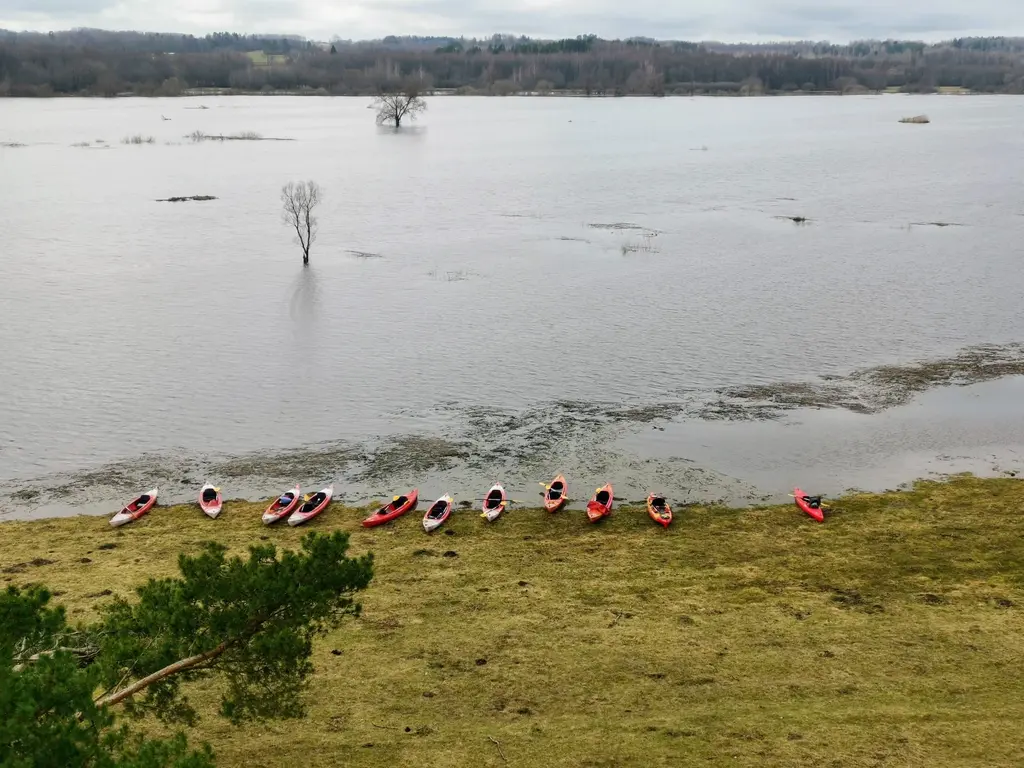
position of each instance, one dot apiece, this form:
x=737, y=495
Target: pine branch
x=171, y=669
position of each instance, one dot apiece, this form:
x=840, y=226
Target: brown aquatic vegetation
x=412, y=453
x=198, y=136
x=618, y=225
x=890, y=634
x=872, y=389
x=330, y=459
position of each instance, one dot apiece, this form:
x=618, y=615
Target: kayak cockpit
x=315, y=501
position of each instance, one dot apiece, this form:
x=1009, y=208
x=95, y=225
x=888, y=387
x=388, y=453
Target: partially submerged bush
x=243, y=136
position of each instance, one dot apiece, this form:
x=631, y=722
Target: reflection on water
x=305, y=297
x=533, y=252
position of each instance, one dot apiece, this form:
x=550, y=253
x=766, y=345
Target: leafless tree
x=393, y=108
x=300, y=200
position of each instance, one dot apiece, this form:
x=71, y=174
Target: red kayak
x=134, y=509
x=399, y=506
x=554, y=494
x=282, y=506
x=312, y=505
x=601, y=505
x=809, y=504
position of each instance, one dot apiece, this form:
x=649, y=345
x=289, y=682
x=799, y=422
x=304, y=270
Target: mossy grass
x=892, y=634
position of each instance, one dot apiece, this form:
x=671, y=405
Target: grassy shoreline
x=892, y=634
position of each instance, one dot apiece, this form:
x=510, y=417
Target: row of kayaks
x=556, y=495
x=298, y=508
x=291, y=505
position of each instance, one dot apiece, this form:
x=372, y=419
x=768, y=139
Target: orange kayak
x=601, y=505
x=659, y=510
x=554, y=494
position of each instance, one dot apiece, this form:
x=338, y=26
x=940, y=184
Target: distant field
x=261, y=59
x=890, y=635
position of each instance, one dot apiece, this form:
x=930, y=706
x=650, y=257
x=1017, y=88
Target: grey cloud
x=53, y=8
x=838, y=20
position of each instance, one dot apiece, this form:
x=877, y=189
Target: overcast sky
x=725, y=20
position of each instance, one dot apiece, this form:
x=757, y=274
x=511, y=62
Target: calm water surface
x=527, y=252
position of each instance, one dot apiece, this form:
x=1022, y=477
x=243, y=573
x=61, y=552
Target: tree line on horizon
x=101, y=63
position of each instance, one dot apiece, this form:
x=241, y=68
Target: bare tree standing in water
x=300, y=200
x=395, y=107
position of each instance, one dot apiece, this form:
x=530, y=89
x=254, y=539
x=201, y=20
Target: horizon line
x=355, y=41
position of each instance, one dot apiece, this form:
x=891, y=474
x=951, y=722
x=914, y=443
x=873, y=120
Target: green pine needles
x=250, y=622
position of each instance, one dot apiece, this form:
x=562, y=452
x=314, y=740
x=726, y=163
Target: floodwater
x=506, y=289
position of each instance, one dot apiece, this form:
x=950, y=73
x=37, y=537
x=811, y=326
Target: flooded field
x=511, y=288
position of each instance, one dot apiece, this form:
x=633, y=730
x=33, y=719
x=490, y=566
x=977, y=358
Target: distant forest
x=99, y=63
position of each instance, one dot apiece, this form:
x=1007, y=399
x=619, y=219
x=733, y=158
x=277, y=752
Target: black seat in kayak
x=658, y=503
x=556, y=493
x=602, y=497
x=314, y=502
x=141, y=501
x=437, y=510
x=814, y=502
x=209, y=494
x=399, y=502
x=493, y=499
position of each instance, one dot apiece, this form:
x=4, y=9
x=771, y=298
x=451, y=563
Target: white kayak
x=282, y=506
x=210, y=501
x=439, y=511
x=494, y=503
x=312, y=505
x=135, y=508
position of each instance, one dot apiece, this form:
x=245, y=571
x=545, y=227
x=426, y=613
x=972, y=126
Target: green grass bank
x=890, y=635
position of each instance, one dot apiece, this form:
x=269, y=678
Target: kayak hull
x=390, y=512
x=816, y=514
x=494, y=505
x=661, y=514
x=437, y=515
x=554, y=504
x=298, y=517
x=276, y=511
x=600, y=506
x=211, y=508
x=129, y=514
